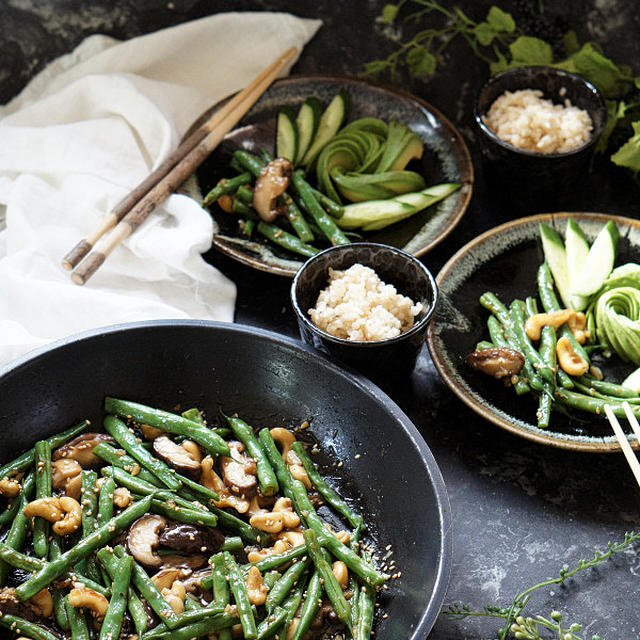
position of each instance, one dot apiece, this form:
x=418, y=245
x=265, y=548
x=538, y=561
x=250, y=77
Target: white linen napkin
x=80, y=136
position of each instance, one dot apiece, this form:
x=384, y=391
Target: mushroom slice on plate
x=191, y=539
x=144, y=537
x=239, y=472
x=499, y=362
x=81, y=449
x=176, y=456
x=271, y=183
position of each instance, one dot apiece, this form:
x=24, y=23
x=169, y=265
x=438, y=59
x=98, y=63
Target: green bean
x=220, y=587
x=239, y=590
x=81, y=550
x=20, y=526
x=25, y=460
x=130, y=444
x=118, y=458
x=365, y=570
x=226, y=186
x=284, y=239
x=548, y=355
x=20, y=560
x=285, y=583
x=191, y=603
x=105, y=501
x=321, y=217
x=244, y=210
x=324, y=489
x=182, y=514
x=608, y=388
x=310, y=607
x=498, y=338
x=271, y=623
x=490, y=302
x=296, y=218
x=484, y=344
x=243, y=529
x=143, y=583
x=266, y=476
x=112, y=623
x=59, y=610
x=10, y=512
x=291, y=605
x=247, y=227
x=25, y=628
x=248, y=161
x=278, y=559
x=329, y=582
x=77, y=621
x=89, y=502
x=232, y=543
x=204, y=627
x=366, y=607
x=270, y=578
x=42, y=460
x=531, y=306
x=197, y=488
x=592, y=404
x=275, y=459
x=529, y=351
x=171, y=422
x=331, y=206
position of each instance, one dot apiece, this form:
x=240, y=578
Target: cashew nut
x=42, y=603
x=577, y=323
x=9, y=487
x=73, y=487
x=256, y=587
x=533, y=325
x=279, y=547
x=289, y=518
x=165, y=578
x=62, y=470
x=270, y=522
x=299, y=473
x=121, y=497
x=212, y=480
x=47, y=508
x=340, y=571
x=292, y=538
x=149, y=432
x=192, y=449
x=72, y=519
x=89, y=599
x=175, y=596
x=284, y=438
x=570, y=361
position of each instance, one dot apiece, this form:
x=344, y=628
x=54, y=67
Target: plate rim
x=572, y=443
x=227, y=248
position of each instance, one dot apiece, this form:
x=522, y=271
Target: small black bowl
x=380, y=360
x=546, y=179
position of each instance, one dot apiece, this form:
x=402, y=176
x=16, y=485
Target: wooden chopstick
x=129, y=214
x=622, y=438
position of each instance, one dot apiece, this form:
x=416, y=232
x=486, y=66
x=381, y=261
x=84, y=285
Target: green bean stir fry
x=546, y=352
x=161, y=527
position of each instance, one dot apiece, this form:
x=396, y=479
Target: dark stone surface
x=520, y=510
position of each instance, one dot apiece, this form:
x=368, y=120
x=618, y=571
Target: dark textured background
x=520, y=510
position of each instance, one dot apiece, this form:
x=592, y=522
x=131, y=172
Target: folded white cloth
x=80, y=136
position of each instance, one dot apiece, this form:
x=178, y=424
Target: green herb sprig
x=502, y=44
x=516, y=625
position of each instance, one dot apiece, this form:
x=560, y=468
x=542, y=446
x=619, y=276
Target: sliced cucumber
x=307, y=122
x=286, y=134
x=556, y=257
x=377, y=214
x=599, y=261
x=577, y=248
x=632, y=381
x=369, y=186
x=331, y=120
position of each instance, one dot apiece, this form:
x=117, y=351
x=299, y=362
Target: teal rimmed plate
x=445, y=159
x=505, y=260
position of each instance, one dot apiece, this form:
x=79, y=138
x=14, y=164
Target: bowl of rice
x=365, y=304
x=538, y=126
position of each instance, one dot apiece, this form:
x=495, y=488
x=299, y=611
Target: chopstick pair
x=622, y=438
x=133, y=210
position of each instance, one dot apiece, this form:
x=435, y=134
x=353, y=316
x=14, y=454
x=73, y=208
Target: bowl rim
x=445, y=553
x=367, y=344
x=593, y=138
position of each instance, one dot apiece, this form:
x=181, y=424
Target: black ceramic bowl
x=271, y=381
x=379, y=359
x=522, y=172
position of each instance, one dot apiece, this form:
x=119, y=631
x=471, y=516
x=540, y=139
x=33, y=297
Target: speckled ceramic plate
x=505, y=260
x=445, y=159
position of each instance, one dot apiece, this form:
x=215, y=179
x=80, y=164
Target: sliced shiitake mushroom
x=144, y=537
x=81, y=448
x=498, y=362
x=271, y=183
x=191, y=539
x=191, y=562
x=239, y=472
x=176, y=456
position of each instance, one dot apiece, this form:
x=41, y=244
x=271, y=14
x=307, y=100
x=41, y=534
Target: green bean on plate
x=159, y=527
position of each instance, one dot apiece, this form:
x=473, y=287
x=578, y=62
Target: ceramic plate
x=445, y=159
x=505, y=260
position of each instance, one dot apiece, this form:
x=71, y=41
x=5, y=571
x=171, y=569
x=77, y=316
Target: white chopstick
x=622, y=438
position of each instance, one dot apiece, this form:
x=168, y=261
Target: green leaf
x=420, y=61
x=500, y=64
x=484, y=33
x=628, y=155
x=603, y=72
x=375, y=66
x=526, y=50
x=389, y=12
x=500, y=20
x=570, y=40
x=615, y=111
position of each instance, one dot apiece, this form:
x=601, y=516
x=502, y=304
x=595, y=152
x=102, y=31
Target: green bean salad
x=161, y=527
